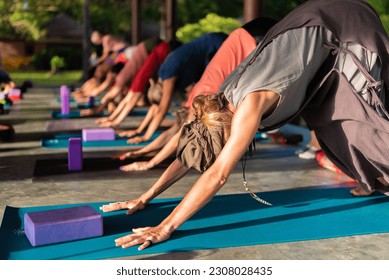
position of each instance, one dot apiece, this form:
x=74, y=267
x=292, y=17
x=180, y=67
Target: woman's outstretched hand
x=102, y=120
x=137, y=140
x=132, y=206
x=144, y=236
x=129, y=133
x=137, y=166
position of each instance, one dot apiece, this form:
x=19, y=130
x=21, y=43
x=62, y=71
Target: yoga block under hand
x=74, y=154
x=60, y=225
x=98, y=134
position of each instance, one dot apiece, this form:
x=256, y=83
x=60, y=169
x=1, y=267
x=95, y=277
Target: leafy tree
x=382, y=8
x=211, y=23
x=57, y=63
x=191, y=11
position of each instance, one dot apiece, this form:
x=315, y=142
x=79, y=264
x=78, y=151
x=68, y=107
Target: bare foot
x=359, y=191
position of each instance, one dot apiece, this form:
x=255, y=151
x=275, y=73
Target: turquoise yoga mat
x=61, y=141
x=75, y=114
x=296, y=215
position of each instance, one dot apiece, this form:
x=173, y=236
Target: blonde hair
x=210, y=110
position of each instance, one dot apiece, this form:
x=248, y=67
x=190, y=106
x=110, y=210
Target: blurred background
x=47, y=41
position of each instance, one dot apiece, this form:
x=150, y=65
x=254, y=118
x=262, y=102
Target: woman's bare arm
x=171, y=175
x=167, y=93
x=156, y=144
x=167, y=150
x=244, y=125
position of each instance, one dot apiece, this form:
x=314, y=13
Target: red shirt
x=152, y=63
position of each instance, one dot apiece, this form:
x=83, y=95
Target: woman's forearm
x=160, y=141
x=129, y=106
x=163, y=107
x=118, y=109
x=167, y=150
x=172, y=174
x=149, y=116
x=244, y=125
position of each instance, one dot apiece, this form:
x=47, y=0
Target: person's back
x=189, y=61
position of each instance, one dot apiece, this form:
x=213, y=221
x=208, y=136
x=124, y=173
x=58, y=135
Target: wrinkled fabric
x=351, y=125
x=199, y=146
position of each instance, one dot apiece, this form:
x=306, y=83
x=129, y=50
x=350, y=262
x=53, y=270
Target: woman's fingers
x=136, y=166
x=143, y=237
x=106, y=124
x=102, y=120
x=137, y=140
x=115, y=206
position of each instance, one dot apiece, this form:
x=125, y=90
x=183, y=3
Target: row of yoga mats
x=75, y=114
x=296, y=215
x=61, y=141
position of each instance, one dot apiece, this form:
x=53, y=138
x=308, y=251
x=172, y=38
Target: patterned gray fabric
x=199, y=146
x=350, y=121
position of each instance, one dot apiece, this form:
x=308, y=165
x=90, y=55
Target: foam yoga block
x=98, y=134
x=65, y=100
x=74, y=154
x=59, y=225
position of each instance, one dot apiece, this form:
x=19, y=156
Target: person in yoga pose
x=238, y=45
x=112, y=48
x=146, y=70
x=326, y=60
x=182, y=67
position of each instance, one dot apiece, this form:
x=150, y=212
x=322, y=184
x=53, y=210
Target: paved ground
x=268, y=170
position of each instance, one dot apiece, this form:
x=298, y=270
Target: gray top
x=289, y=63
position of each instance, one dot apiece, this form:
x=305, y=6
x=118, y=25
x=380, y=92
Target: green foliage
x=277, y=9
x=382, y=8
x=191, y=11
x=72, y=56
x=57, y=62
x=211, y=23
x=45, y=79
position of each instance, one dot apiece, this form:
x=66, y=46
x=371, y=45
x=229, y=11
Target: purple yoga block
x=98, y=134
x=59, y=225
x=65, y=100
x=74, y=154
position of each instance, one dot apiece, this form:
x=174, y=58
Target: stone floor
x=31, y=119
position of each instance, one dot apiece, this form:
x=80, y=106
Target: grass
x=46, y=79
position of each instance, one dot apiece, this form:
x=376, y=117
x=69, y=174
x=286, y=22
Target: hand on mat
x=144, y=236
x=87, y=112
x=132, y=206
x=109, y=124
x=137, y=166
x=129, y=133
x=81, y=99
x=137, y=140
x=102, y=120
x=132, y=154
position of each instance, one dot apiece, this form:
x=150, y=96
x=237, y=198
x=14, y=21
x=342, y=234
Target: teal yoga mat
x=61, y=141
x=75, y=114
x=296, y=215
